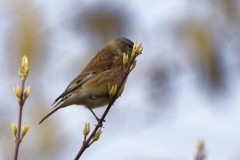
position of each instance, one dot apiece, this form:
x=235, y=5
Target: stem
x=18, y=138
x=99, y=125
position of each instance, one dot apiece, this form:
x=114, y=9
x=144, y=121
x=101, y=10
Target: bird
x=90, y=87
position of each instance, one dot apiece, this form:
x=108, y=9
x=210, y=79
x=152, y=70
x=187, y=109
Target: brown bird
x=90, y=87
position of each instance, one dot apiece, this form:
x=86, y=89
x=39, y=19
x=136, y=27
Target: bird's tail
x=54, y=109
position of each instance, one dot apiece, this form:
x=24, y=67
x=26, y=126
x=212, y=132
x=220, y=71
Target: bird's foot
x=99, y=122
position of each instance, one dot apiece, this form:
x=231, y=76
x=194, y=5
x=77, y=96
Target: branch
x=18, y=138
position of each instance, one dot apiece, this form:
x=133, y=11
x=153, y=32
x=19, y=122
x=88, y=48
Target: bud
x=139, y=49
x=24, y=129
x=86, y=129
x=17, y=92
x=26, y=92
x=24, y=61
x=133, y=54
x=97, y=135
x=136, y=50
x=113, y=91
x=200, y=145
x=125, y=60
x=14, y=130
x=23, y=71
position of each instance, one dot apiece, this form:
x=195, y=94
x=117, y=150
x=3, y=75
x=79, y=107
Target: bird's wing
x=100, y=62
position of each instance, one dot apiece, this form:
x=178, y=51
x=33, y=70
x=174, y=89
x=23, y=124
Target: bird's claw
x=100, y=123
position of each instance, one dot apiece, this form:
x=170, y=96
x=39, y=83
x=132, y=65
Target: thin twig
x=18, y=138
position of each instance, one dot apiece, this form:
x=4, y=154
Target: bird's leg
x=95, y=115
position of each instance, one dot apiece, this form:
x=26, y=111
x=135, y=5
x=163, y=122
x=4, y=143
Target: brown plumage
x=90, y=87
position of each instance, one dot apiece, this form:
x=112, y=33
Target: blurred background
x=185, y=86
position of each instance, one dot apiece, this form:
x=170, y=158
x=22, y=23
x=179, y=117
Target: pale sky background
x=141, y=125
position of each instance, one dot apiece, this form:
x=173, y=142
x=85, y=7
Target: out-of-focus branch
x=201, y=155
x=21, y=96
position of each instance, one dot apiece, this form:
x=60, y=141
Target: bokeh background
x=185, y=86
